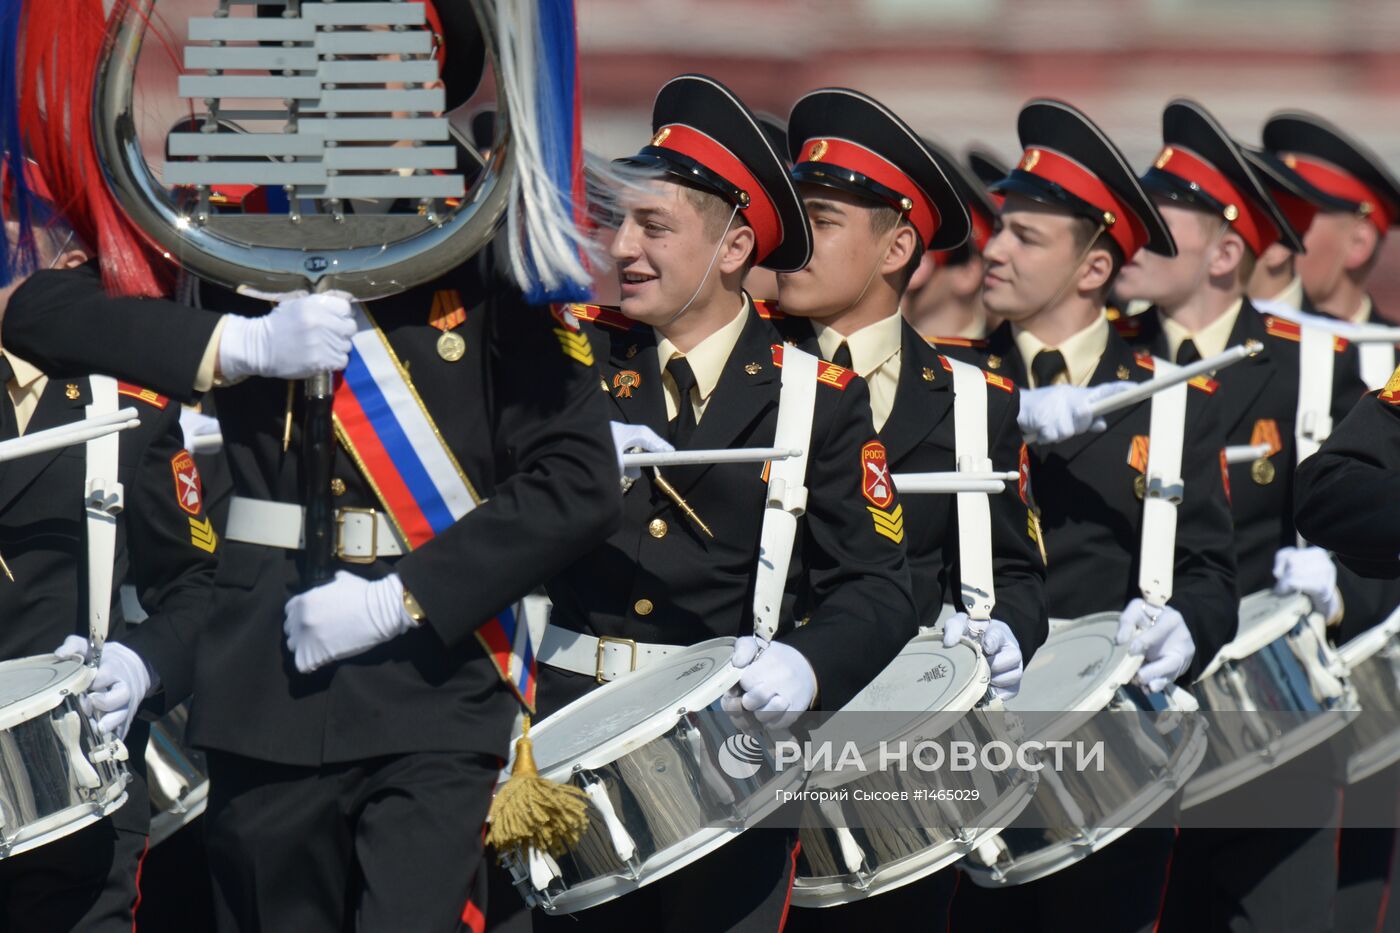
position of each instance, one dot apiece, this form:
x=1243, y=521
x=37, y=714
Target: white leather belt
x=605, y=658
x=362, y=536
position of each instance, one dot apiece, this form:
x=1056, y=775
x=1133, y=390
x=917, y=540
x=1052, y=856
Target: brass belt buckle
x=598, y=657
x=340, y=536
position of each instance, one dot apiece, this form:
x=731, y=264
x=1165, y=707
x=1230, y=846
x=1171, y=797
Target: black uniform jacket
x=1347, y=491
x=660, y=579
x=919, y=438
x=165, y=544
x=1091, y=516
x=521, y=411
x=1258, y=400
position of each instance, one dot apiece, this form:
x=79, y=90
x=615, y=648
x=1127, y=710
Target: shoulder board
x=1001, y=382
x=1278, y=327
x=1291, y=330
x=1126, y=326
x=1205, y=384
x=1145, y=360
x=837, y=377
x=975, y=343
x=768, y=309
x=603, y=315
x=146, y=395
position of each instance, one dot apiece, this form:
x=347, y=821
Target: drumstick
x=1246, y=453
x=6, y=567
x=691, y=457
x=953, y=482
x=68, y=435
x=675, y=497
x=1145, y=390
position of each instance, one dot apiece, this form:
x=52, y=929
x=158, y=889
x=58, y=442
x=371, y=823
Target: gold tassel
x=531, y=811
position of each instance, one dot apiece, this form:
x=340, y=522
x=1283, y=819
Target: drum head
x=30, y=686
x=1075, y=673
x=606, y=723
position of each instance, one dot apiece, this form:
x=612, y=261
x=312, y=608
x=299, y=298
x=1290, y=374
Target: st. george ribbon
x=330, y=110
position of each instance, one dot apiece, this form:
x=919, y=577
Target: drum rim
x=1366, y=645
x=633, y=737
x=36, y=704
x=1260, y=637
x=808, y=892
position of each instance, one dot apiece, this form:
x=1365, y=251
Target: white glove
x=1310, y=571
x=1166, y=645
x=195, y=425
x=121, y=683
x=304, y=334
x=1056, y=413
x=999, y=645
x=343, y=618
x=629, y=436
x=776, y=687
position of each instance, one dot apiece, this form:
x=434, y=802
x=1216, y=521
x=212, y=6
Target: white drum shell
x=659, y=775
x=1266, y=669
x=45, y=793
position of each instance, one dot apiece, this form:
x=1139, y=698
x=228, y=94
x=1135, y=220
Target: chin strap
x=714, y=258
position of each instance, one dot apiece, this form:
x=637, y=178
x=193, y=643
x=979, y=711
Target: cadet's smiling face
x=1030, y=259
x=846, y=252
x=662, y=251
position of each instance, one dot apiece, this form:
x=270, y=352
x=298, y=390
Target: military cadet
x=944, y=297
x=354, y=731
x=89, y=880
x=688, y=356
x=1074, y=213
x=1343, y=242
x=878, y=202
x=1275, y=279
x=1223, y=220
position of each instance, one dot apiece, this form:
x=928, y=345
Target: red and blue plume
x=19, y=200
x=51, y=49
x=544, y=239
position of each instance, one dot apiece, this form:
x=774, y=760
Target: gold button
x=643, y=607
x=994, y=362
x=337, y=487
x=657, y=528
x=1262, y=471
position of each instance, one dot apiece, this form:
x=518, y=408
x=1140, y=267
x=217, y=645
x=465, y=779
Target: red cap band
x=1340, y=184
x=853, y=157
x=1122, y=224
x=1251, y=221
x=760, y=213
x=1299, y=211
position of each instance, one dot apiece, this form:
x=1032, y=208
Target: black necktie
x=1187, y=353
x=9, y=423
x=1046, y=366
x=842, y=356
x=683, y=425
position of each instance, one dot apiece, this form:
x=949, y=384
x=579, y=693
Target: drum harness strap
x=608, y=658
x=1311, y=426
x=102, y=501
x=978, y=594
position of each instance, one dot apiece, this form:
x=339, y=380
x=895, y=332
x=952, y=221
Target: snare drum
x=867, y=847
x=175, y=776
x=56, y=775
x=1372, y=660
x=1079, y=671
x=666, y=786
x=1284, y=688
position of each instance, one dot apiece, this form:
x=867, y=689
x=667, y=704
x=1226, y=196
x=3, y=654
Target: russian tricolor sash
x=385, y=427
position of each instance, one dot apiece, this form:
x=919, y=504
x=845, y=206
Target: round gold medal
x=1262, y=471
x=451, y=346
